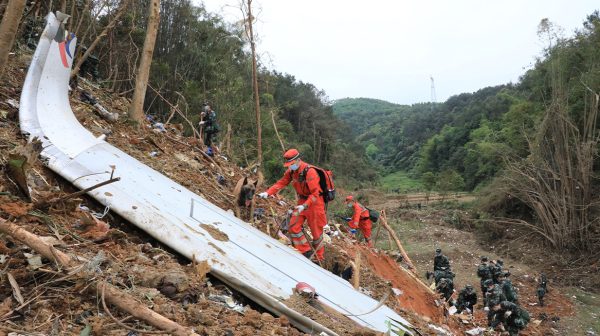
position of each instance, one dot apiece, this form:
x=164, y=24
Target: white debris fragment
x=440, y=330
x=13, y=103
x=475, y=331
x=397, y=291
x=34, y=260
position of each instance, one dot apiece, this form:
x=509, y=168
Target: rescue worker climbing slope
x=310, y=206
x=360, y=219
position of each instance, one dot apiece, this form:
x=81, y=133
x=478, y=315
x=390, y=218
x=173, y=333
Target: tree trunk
x=255, y=84
x=8, y=29
x=136, y=111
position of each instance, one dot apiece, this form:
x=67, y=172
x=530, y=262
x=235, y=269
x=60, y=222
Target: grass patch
x=400, y=182
x=588, y=309
x=405, y=230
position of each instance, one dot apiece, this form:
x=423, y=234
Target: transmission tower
x=433, y=99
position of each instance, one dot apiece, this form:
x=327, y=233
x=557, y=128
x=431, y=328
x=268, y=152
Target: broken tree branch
x=397, y=241
x=276, y=131
x=45, y=204
x=176, y=109
x=15, y=287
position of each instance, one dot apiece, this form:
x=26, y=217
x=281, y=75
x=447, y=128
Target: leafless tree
x=556, y=179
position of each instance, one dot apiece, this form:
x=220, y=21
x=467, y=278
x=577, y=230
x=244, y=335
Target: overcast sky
x=388, y=49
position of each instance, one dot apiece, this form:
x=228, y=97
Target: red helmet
x=305, y=289
x=290, y=156
x=349, y=198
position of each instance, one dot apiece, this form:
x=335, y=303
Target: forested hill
x=362, y=113
x=426, y=137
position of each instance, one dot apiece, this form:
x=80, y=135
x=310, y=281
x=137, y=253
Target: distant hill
x=423, y=137
x=362, y=113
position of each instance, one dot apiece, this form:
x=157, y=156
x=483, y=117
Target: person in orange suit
x=360, y=219
x=310, y=206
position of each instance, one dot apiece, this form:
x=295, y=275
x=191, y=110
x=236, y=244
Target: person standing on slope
x=360, y=219
x=310, y=206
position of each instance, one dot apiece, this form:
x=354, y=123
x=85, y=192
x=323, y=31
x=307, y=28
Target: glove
x=487, y=309
x=263, y=194
x=202, y=122
x=353, y=231
x=300, y=208
x=507, y=314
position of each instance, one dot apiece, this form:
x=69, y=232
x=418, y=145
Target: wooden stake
x=356, y=270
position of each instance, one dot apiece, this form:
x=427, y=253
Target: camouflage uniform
x=496, y=270
x=467, y=298
x=445, y=288
x=484, y=273
x=440, y=261
x=512, y=316
x=509, y=290
x=443, y=273
x=493, y=297
x=541, y=292
x=210, y=128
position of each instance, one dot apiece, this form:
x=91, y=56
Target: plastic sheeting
x=164, y=209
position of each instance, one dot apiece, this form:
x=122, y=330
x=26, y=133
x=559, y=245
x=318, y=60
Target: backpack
x=373, y=215
x=325, y=182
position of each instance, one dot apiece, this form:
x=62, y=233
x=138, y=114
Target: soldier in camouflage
x=440, y=261
x=467, y=298
x=493, y=297
x=496, y=268
x=443, y=273
x=512, y=317
x=507, y=287
x=445, y=287
x=484, y=273
x=542, y=288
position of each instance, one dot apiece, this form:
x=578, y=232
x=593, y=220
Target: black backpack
x=373, y=215
x=325, y=182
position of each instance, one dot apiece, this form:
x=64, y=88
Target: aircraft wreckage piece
x=243, y=257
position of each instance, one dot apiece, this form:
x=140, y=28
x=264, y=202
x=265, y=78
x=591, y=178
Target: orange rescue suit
x=361, y=220
x=310, y=195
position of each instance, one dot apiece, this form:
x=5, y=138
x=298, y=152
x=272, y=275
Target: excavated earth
x=52, y=302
